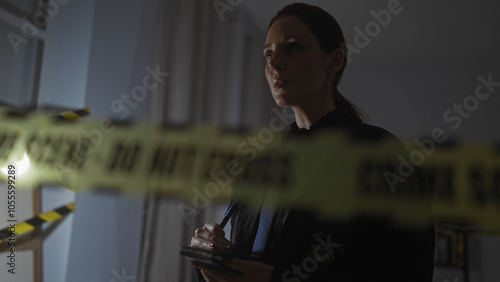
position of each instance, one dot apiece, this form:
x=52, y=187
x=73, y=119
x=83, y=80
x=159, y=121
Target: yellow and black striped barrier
x=30, y=224
x=73, y=114
x=332, y=175
x=20, y=228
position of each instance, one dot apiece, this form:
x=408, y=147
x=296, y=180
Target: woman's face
x=298, y=71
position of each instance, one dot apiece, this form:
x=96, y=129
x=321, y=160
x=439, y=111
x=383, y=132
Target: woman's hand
x=211, y=237
x=252, y=271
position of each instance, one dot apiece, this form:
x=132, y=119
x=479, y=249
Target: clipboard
x=208, y=257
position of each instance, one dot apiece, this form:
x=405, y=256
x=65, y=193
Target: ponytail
x=342, y=103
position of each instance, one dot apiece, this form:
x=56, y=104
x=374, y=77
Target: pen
x=227, y=215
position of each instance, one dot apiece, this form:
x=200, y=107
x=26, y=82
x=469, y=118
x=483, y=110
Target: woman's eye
x=268, y=54
x=292, y=46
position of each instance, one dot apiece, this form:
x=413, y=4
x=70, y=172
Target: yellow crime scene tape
x=20, y=228
x=331, y=175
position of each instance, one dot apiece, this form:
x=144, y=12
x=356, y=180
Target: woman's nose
x=276, y=63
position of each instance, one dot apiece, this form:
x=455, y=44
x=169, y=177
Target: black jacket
x=306, y=248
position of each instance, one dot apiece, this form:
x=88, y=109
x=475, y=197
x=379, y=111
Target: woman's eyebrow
x=286, y=39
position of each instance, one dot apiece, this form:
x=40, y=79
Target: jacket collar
x=333, y=120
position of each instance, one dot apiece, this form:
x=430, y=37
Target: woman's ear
x=336, y=60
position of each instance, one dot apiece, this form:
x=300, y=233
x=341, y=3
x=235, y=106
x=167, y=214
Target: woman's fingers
x=211, y=236
x=215, y=228
x=212, y=274
x=252, y=271
x=201, y=243
x=218, y=236
x=208, y=277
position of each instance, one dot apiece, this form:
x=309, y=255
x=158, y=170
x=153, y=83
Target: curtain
x=216, y=76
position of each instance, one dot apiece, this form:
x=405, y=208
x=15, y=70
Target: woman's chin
x=280, y=102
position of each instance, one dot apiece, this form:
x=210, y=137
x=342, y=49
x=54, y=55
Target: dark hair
x=328, y=32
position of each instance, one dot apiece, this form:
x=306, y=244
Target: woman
x=306, y=56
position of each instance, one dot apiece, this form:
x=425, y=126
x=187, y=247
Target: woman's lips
x=279, y=83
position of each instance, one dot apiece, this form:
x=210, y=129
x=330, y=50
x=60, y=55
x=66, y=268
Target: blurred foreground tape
x=328, y=174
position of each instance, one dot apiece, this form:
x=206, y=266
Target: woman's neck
x=305, y=117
